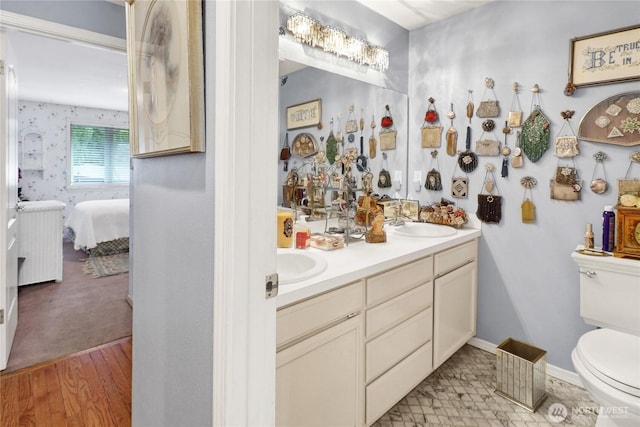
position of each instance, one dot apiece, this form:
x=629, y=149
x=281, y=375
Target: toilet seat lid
x=613, y=357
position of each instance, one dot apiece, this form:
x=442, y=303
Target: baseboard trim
x=553, y=371
x=129, y=300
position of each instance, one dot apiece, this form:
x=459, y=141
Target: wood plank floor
x=90, y=388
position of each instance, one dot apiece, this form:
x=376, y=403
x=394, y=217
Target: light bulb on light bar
x=310, y=31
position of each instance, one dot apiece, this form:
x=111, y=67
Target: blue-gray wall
x=528, y=285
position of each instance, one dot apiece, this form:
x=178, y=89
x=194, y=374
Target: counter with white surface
x=362, y=259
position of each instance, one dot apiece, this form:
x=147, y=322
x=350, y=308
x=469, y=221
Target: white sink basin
x=425, y=229
x=297, y=266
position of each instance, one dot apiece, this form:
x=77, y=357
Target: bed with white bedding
x=100, y=227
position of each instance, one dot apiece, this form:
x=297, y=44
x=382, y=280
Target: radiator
x=40, y=242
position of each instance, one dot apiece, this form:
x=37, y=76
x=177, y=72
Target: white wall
x=528, y=284
x=52, y=121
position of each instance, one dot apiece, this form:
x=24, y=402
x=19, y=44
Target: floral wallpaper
x=51, y=122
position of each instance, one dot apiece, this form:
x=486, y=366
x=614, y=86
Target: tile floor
x=461, y=393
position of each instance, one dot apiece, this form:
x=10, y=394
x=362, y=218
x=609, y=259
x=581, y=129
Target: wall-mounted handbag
x=514, y=119
x=599, y=185
x=489, y=107
x=431, y=136
x=388, y=133
x=628, y=185
x=433, y=181
x=566, y=174
x=565, y=192
x=567, y=142
x=536, y=131
x=489, y=205
x=487, y=146
x=352, y=125
x=468, y=160
x=384, y=178
x=459, y=185
x=527, y=208
x=387, y=139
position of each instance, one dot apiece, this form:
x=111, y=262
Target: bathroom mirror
x=300, y=84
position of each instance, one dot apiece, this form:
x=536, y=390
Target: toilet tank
x=609, y=291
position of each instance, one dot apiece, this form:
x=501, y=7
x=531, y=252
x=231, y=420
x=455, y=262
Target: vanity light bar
x=310, y=31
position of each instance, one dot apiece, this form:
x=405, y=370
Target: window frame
x=92, y=185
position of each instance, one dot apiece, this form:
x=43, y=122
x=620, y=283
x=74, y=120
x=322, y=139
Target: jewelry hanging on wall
x=434, y=180
x=599, y=185
x=536, y=131
x=452, y=135
x=515, y=113
x=504, y=172
x=567, y=143
x=489, y=107
x=528, y=208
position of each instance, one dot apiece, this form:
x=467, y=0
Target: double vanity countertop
x=361, y=259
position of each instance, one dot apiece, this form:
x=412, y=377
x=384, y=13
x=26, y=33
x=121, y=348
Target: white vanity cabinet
x=455, y=299
x=398, y=324
x=319, y=369
x=347, y=356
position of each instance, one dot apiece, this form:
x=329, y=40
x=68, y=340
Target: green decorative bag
x=535, y=135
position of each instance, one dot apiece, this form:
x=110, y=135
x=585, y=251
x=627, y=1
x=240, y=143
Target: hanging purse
x=452, y=135
x=434, y=180
x=567, y=144
x=285, y=152
x=431, y=132
x=527, y=208
x=467, y=160
x=384, y=178
x=516, y=155
x=372, y=140
x=489, y=205
x=332, y=145
x=565, y=174
x=568, y=193
x=352, y=125
x=488, y=108
x=487, y=147
x=459, y=185
x=388, y=133
x=628, y=185
x=599, y=185
x=535, y=135
x=515, y=113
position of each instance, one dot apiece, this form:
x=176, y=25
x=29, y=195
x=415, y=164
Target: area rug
x=108, y=265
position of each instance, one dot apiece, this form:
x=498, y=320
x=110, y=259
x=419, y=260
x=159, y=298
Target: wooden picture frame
x=166, y=77
x=304, y=115
x=603, y=58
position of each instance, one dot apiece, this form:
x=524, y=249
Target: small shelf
x=31, y=150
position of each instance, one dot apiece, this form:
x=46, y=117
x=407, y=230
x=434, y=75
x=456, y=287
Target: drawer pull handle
x=351, y=315
x=589, y=273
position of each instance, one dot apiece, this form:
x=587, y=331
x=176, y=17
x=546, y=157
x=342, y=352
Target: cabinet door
x=319, y=381
x=454, y=314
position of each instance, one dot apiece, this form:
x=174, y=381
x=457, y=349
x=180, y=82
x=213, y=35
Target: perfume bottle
x=588, y=237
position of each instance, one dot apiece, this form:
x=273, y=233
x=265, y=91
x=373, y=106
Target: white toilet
x=607, y=359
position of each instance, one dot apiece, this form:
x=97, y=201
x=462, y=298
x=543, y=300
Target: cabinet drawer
x=311, y=315
x=386, y=391
x=446, y=261
x=394, y=345
x=394, y=282
x=402, y=307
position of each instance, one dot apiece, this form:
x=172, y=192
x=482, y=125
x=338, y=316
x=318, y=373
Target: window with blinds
x=99, y=155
